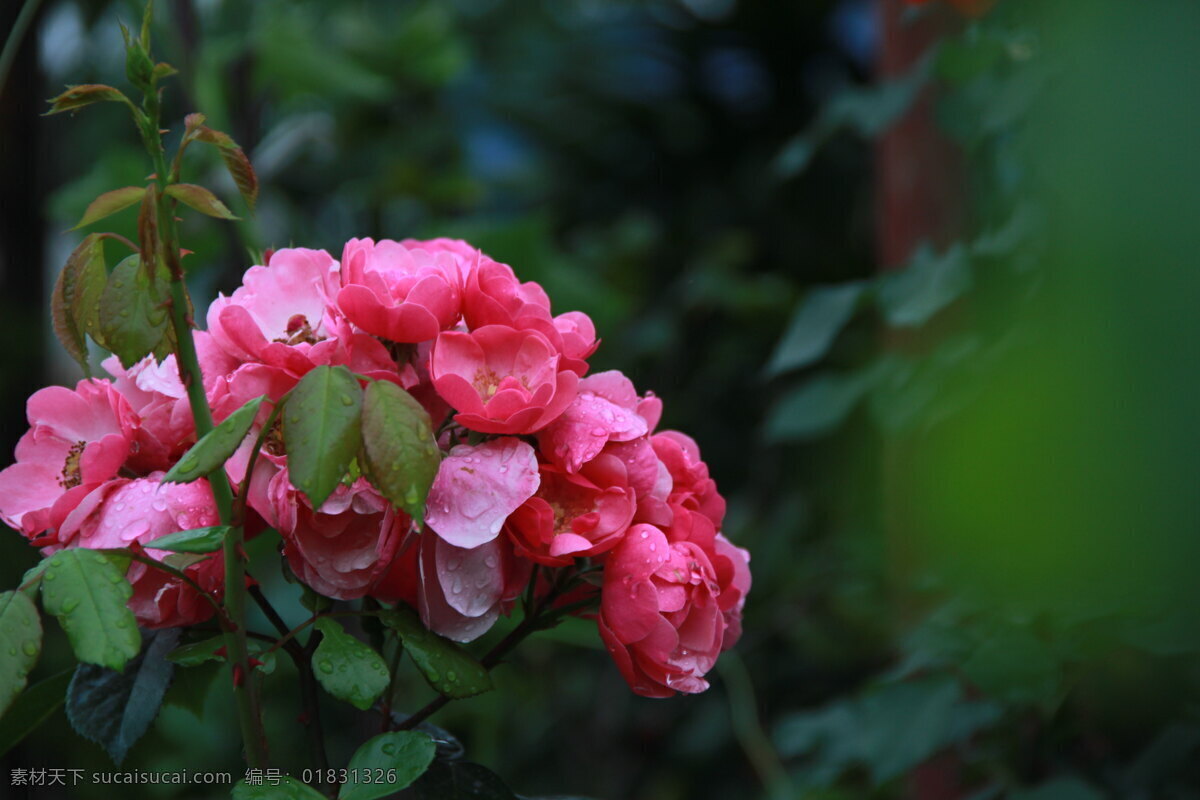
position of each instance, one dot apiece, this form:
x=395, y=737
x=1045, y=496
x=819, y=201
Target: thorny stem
x=244, y=687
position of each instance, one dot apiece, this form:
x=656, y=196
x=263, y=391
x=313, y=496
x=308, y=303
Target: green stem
x=245, y=689
x=15, y=36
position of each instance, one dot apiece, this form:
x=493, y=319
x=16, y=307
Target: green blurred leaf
x=114, y=709
x=446, y=665
x=31, y=708
x=110, y=203
x=1014, y=665
x=348, y=669
x=814, y=326
x=88, y=594
x=214, y=448
x=402, y=455
x=195, y=653
x=818, y=405
x=322, y=430
x=199, y=199
x=928, y=284
x=196, y=540
x=404, y=755
x=133, y=317
x=20, y=644
x=1061, y=788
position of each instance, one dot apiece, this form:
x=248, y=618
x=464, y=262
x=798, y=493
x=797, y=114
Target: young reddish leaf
x=164, y=70
x=199, y=199
x=133, y=317
x=235, y=161
x=76, y=97
x=75, y=304
x=110, y=203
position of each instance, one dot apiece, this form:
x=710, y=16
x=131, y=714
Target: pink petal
x=476, y=488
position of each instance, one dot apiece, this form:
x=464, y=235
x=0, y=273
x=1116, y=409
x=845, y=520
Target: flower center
x=299, y=330
x=486, y=382
x=71, y=475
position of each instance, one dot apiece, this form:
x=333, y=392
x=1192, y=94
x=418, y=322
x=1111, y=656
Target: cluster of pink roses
x=542, y=465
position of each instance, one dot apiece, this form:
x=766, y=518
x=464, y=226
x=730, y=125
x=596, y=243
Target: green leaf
x=88, y=594
x=191, y=688
x=287, y=788
x=401, y=453
x=322, y=430
x=814, y=326
x=20, y=644
x=114, y=709
x=446, y=665
x=133, y=317
x=461, y=780
x=400, y=757
x=110, y=203
x=75, y=302
x=197, y=540
x=929, y=284
x=348, y=669
x=1014, y=665
x=818, y=405
x=31, y=708
x=199, y=199
x=196, y=653
x=1061, y=788
x=76, y=97
x=139, y=69
x=215, y=447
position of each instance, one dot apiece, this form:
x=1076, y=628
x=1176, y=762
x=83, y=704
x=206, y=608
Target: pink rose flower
x=733, y=575
x=691, y=485
x=462, y=592
x=660, y=617
x=341, y=549
x=158, y=398
x=132, y=513
x=398, y=292
x=77, y=440
x=501, y=380
x=478, y=487
x=605, y=409
x=282, y=314
x=574, y=514
x=494, y=296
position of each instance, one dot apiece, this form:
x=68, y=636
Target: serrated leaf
x=402, y=755
x=215, y=447
x=133, y=317
x=196, y=540
x=110, y=203
x=446, y=665
x=20, y=644
x=114, y=709
x=88, y=595
x=85, y=94
x=288, y=788
x=196, y=653
x=461, y=780
x=348, y=669
x=401, y=453
x=31, y=708
x=814, y=326
x=322, y=430
x=235, y=160
x=75, y=304
x=199, y=199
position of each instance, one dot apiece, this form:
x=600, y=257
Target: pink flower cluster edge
x=543, y=464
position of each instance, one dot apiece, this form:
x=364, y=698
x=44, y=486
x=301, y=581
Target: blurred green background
x=921, y=284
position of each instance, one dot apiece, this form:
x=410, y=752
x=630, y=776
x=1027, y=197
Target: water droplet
x=347, y=400
x=326, y=667
x=490, y=561
x=30, y=649
x=645, y=535
x=450, y=676
x=389, y=749
x=434, y=675
x=599, y=432
x=457, y=587
x=70, y=604
x=12, y=651
x=50, y=575
x=120, y=623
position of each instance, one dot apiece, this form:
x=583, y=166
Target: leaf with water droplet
x=196, y=540
x=446, y=665
x=91, y=607
x=401, y=755
x=20, y=644
x=133, y=311
x=75, y=301
x=287, y=788
x=321, y=433
x=215, y=447
x=347, y=668
x=400, y=453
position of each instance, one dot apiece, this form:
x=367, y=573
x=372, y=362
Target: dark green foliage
x=322, y=430
x=214, y=447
